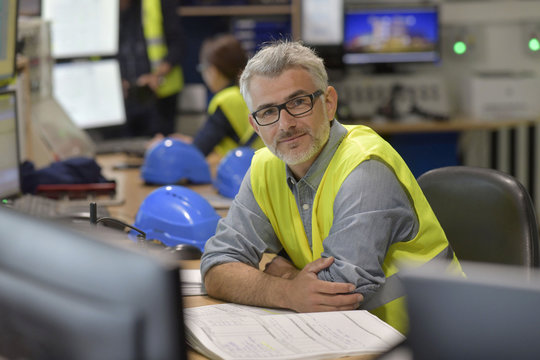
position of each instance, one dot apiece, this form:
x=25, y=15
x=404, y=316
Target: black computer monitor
x=490, y=314
x=10, y=177
x=388, y=35
x=8, y=38
x=322, y=30
x=71, y=294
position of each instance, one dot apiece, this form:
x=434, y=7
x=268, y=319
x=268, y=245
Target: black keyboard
x=132, y=146
x=36, y=206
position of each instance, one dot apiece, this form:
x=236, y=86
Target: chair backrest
x=487, y=215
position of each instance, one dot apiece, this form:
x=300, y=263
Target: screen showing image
x=9, y=165
x=82, y=28
x=90, y=92
x=322, y=22
x=8, y=31
x=390, y=35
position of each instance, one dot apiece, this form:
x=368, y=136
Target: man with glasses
x=337, y=204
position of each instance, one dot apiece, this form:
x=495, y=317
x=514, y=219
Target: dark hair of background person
x=225, y=52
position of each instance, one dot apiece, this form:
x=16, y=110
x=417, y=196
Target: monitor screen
x=84, y=293
x=389, y=35
x=90, y=92
x=8, y=37
x=9, y=161
x=82, y=28
x=492, y=313
x=322, y=22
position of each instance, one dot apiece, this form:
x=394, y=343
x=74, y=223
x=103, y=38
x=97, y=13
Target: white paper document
x=229, y=331
x=191, y=282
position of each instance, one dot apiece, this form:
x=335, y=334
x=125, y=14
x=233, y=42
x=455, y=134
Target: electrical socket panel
x=361, y=96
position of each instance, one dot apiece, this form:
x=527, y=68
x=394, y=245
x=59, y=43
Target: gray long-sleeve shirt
x=371, y=212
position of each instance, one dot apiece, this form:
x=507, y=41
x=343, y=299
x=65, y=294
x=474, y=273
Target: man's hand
x=159, y=137
x=154, y=79
x=125, y=88
x=281, y=267
x=303, y=292
x=306, y=293
x=184, y=138
x=151, y=80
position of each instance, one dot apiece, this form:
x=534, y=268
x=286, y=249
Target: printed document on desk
x=230, y=331
x=191, y=282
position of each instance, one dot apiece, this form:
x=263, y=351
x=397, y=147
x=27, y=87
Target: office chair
x=487, y=215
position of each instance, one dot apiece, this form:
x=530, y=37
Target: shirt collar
x=316, y=171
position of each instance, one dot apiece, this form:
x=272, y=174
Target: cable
x=94, y=220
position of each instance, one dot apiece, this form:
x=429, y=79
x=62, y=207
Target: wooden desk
x=132, y=187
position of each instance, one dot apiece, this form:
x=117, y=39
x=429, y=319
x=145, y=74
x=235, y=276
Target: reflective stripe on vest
x=156, y=47
x=268, y=179
x=233, y=106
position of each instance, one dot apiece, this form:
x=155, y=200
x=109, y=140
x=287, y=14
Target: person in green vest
x=336, y=203
x=221, y=60
x=150, y=53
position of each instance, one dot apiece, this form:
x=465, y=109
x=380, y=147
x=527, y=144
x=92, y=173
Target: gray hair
x=278, y=56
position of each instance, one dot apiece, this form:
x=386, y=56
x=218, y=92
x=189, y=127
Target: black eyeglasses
x=295, y=107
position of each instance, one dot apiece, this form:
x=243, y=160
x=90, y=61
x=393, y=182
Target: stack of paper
x=191, y=282
x=229, y=331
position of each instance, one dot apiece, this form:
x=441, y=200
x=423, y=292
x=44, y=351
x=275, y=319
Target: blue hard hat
x=171, y=160
x=177, y=215
x=231, y=170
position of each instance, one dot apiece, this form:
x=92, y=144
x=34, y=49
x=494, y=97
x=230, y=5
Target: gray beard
x=291, y=158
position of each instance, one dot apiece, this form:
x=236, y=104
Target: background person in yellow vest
x=150, y=53
x=337, y=203
x=221, y=60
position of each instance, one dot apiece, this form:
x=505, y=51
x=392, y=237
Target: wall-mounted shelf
x=235, y=10
x=292, y=10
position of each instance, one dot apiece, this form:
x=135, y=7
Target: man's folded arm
x=365, y=225
x=244, y=284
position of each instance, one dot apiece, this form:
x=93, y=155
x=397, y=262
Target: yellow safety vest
x=231, y=102
x=268, y=179
x=156, y=47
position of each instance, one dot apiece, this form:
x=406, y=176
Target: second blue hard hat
x=231, y=170
x=170, y=161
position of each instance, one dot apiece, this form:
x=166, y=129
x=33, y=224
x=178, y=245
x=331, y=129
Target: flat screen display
x=8, y=37
x=322, y=22
x=9, y=161
x=76, y=291
x=82, y=28
x=391, y=35
x=90, y=92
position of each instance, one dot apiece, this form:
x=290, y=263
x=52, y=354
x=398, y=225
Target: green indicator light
x=4, y=201
x=460, y=47
x=534, y=44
